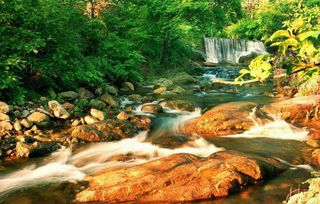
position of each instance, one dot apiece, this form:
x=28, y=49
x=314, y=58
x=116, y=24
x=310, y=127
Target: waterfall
x=230, y=50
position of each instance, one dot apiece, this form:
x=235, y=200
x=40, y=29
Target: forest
x=151, y=101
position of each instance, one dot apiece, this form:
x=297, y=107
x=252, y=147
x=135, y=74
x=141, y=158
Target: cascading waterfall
x=230, y=50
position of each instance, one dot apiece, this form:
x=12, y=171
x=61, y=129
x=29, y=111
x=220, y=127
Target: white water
x=230, y=50
x=67, y=166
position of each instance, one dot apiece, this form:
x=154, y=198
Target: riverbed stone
x=100, y=115
x=127, y=86
x=87, y=133
x=90, y=119
x=39, y=119
x=226, y=119
x=17, y=126
x=160, y=90
x=58, y=110
x=111, y=90
x=98, y=104
x=110, y=100
x=152, y=108
x=4, y=117
x=123, y=116
x=299, y=110
x=4, y=108
x=26, y=123
x=135, y=98
x=183, y=78
x=35, y=149
x=180, y=178
x=5, y=126
x=181, y=105
x=69, y=95
x=85, y=94
x=165, y=83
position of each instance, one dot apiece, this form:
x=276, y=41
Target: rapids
x=52, y=177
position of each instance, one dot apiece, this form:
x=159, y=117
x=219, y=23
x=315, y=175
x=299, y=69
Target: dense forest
x=50, y=44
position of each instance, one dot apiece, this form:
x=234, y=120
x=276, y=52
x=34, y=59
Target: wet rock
x=152, y=108
x=35, y=149
x=85, y=94
x=17, y=114
x=110, y=100
x=39, y=119
x=123, y=116
x=168, y=93
x=90, y=119
x=98, y=104
x=225, y=119
x=69, y=95
x=4, y=108
x=26, y=123
x=17, y=126
x=5, y=126
x=58, y=110
x=135, y=98
x=111, y=90
x=315, y=158
x=127, y=86
x=100, y=115
x=298, y=110
x=180, y=178
x=98, y=91
x=142, y=122
x=88, y=133
x=4, y=117
x=183, y=78
x=181, y=105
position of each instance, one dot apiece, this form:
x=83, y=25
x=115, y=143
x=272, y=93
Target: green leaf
x=280, y=34
x=307, y=34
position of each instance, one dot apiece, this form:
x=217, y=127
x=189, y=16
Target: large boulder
x=4, y=108
x=35, y=149
x=100, y=115
x=39, y=119
x=299, y=110
x=95, y=103
x=180, y=178
x=58, y=110
x=225, y=119
x=183, y=78
x=5, y=126
x=165, y=83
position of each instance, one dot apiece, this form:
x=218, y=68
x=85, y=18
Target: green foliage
x=259, y=69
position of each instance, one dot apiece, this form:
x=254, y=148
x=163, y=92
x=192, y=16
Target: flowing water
x=230, y=50
x=56, y=178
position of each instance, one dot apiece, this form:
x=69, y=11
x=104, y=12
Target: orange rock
x=180, y=177
x=225, y=119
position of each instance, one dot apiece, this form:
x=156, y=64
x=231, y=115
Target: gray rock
x=183, y=78
x=25, y=113
x=58, y=110
x=69, y=95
